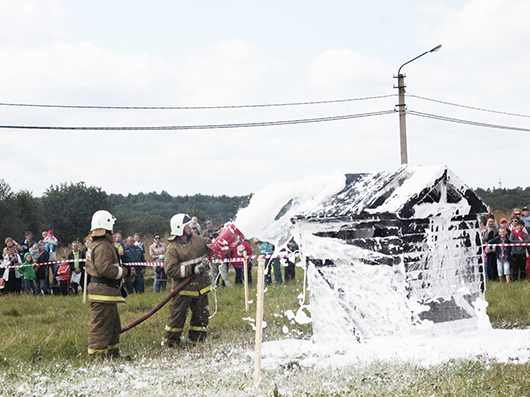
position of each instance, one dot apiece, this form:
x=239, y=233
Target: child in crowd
x=64, y=276
x=504, y=223
x=29, y=283
x=34, y=251
x=160, y=278
x=503, y=254
x=50, y=241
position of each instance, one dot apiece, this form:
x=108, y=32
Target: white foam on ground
x=503, y=345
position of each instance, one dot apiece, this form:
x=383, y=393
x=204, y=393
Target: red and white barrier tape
x=508, y=245
x=254, y=257
x=152, y=264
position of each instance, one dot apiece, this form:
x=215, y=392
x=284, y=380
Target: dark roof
x=408, y=192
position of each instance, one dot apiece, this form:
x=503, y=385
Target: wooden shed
x=395, y=253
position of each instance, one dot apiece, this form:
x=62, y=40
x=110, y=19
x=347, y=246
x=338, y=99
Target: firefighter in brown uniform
x=186, y=257
x=104, y=293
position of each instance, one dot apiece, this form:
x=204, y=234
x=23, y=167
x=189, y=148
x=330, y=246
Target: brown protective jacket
x=180, y=261
x=102, y=261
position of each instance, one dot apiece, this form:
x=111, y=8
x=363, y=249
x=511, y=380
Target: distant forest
x=149, y=213
x=505, y=200
x=68, y=209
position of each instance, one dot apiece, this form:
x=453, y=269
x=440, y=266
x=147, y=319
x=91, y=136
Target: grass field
x=43, y=352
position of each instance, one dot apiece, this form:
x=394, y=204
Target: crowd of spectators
x=506, y=252
x=33, y=267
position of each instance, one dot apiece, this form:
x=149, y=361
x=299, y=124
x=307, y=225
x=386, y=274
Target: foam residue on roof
x=410, y=191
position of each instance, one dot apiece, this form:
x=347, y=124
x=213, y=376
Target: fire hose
x=157, y=307
x=228, y=238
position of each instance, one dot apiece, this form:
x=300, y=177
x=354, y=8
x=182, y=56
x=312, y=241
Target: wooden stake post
x=259, y=320
x=245, y=277
x=84, y=285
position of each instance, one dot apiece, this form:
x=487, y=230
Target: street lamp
x=402, y=107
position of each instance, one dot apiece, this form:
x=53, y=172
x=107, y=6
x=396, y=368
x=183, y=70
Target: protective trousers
x=104, y=334
x=177, y=318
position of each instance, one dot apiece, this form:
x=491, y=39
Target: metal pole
x=402, y=107
x=402, y=120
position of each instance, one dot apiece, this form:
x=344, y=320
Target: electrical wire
x=468, y=107
x=468, y=122
x=195, y=107
x=206, y=127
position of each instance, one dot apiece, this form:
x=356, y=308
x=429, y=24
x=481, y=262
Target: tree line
x=67, y=208
x=505, y=200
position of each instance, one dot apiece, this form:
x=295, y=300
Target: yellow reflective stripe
x=201, y=329
x=168, y=328
x=106, y=298
x=114, y=346
x=97, y=351
x=206, y=289
x=189, y=293
x=196, y=293
x=192, y=261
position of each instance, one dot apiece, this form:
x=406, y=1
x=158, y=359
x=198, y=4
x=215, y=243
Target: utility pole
x=402, y=121
x=402, y=108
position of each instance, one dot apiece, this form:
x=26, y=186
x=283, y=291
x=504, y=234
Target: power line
x=469, y=107
x=468, y=122
x=194, y=107
x=206, y=127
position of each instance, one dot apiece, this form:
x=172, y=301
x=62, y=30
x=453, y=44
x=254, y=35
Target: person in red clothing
x=518, y=264
x=237, y=252
x=64, y=276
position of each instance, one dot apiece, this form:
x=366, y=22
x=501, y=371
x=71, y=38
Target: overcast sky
x=218, y=53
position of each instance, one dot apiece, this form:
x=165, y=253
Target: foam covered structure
x=395, y=253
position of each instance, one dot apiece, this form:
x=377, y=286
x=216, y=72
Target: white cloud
x=484, y=25
x=485, y=43
x=345, y=71
x=30, y=22
x=61, y=71
x=230, y=72
x=482, y=61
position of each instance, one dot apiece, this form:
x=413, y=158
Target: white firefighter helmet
x=102, y=220
x=178, y=222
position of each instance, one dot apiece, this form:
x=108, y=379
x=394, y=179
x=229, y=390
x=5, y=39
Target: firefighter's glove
x=199, y=268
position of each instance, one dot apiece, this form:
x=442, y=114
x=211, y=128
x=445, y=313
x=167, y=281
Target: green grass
x=509, y=304
x=55, y=327
x=43, y=347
